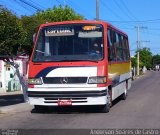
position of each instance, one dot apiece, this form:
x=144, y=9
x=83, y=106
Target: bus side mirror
x=34, y=37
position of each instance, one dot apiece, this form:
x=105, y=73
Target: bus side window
x=126, y=49
x=123, y=48
x=39, y=52
x=111, y=51
x=119, y=49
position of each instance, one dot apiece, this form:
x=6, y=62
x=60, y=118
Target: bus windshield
x=77, y=42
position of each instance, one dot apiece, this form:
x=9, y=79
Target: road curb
x=142, y=75
x=11, y=93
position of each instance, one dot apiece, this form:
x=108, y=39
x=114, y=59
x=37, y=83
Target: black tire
x=110, y=98
x=40, y=108
x=106, y=108
x=124, y=96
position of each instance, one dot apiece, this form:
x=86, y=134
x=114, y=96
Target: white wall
x=5, y=74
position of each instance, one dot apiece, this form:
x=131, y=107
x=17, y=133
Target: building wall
x=2, y=77
x=8, y=78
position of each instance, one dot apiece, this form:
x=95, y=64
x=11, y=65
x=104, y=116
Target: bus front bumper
x=73, y=98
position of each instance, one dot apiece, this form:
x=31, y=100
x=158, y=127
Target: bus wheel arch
x=110, y=95
x=107, y=106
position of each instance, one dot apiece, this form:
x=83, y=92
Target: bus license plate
x=64, y=102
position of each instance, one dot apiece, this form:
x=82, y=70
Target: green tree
x=16, y=33
x=156, y=59
x=12, y=34
x=58, y=14
x=31, y=23
x=134, y=62
x=145, y=56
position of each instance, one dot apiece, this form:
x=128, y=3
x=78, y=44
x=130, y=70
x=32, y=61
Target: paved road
x=140, y=110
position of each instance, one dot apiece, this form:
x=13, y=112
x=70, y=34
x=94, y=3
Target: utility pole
x=97, y=10
x=138, y=45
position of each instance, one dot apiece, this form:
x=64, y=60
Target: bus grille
x=64, y=80
x=74, y=100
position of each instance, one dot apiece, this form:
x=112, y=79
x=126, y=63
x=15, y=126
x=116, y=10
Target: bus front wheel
x=106, y=108
x=40, y=108
x=108, y=105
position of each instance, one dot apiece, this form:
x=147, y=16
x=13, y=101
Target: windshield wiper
x=39, y=51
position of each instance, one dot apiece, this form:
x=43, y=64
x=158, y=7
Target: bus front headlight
x=34, y=81
x=97, y=80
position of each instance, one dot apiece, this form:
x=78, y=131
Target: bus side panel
x=120, y=75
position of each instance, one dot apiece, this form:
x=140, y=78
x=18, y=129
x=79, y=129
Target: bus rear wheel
x=124, y=95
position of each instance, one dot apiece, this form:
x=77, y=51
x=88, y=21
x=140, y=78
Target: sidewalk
x=11, y=93
x=21, y=107
x=148, y=72
x=12, y=102
x=11, y=98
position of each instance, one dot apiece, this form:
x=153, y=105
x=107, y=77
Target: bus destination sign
x=59, y=31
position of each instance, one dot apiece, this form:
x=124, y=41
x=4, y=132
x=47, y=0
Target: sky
x=126, y=15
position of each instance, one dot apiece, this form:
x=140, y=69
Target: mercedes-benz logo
x=64, y=80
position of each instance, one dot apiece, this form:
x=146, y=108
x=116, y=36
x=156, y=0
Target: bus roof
x=83, y=22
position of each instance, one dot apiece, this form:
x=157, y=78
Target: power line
x=113, y=12
x=153, y=34
x=31, y=5
x=119, y=6
x=12, y=8
x=37, y=4
x=73, y=5
x=155, y=29
x=136, y=21
x=108, y=8
x=76, y=6
x=24, y=6
x=123, y=3
x=59, y=2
